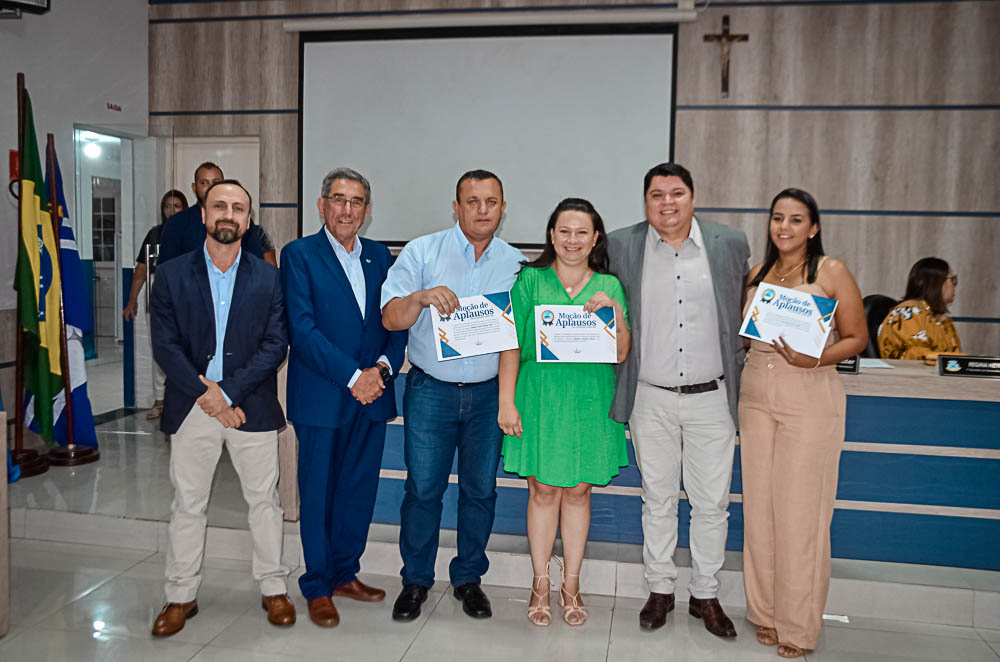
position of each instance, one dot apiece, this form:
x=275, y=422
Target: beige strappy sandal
x=541, y=613
x=574, y=613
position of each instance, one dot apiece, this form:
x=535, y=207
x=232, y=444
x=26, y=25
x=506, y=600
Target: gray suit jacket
x=728, y=256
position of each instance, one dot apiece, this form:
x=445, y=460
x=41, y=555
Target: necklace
x=781, y=278
x=581, y=281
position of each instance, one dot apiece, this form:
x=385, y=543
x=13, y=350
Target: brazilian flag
x=38, y=285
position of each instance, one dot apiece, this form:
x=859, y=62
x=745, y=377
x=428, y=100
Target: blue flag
x=79, y=320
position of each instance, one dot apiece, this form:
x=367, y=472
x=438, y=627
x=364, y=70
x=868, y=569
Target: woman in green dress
x=555, y=415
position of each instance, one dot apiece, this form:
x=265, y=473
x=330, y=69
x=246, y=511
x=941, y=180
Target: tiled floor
x=82, y=602
x=87, y=602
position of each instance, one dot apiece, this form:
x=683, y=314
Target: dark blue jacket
x=185, y=232
x=182, y=324
x=329, y=338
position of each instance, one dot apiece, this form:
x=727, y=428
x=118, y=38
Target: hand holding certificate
x=802, y=320
x=482, y=324
x=569, y=334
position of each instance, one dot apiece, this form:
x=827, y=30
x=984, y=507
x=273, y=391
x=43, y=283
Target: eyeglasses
x=340, y=201
x=954, y=279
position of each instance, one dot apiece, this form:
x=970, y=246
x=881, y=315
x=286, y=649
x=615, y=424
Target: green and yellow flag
x=38, y=285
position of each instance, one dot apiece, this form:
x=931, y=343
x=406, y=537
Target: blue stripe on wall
x=89, y=339
x=977, y=320
x=959, y=542
x=964, y=482
x=845, y=107
x=957, y=423
x=271, y=111
x=128, y=346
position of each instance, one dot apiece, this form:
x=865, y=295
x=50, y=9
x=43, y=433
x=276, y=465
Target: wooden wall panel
x=863, y=160
x=865, y=54
x=278, y=135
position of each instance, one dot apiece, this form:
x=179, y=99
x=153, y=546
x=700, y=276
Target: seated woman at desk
x=920, y=327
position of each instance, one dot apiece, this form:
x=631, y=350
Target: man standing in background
x=185, y=232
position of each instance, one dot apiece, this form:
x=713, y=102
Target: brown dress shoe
x=654, y=613
x=323, y=613
x=715, y=618
x=355, y=590
x=280, y=610
x=171, y=619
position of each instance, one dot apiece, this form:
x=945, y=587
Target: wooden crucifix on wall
x=725, y=40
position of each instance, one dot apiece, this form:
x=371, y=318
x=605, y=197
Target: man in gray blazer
x=684, y=281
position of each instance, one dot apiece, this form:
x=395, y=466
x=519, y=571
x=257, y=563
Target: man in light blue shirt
x=449, y=405
x=221, y=283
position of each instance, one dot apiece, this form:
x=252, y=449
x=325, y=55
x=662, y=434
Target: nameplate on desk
x=849, y=366
x=969, y=366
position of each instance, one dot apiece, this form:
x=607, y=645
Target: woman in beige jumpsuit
x=791, y=431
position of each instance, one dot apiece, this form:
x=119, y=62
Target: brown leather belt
x=691, y=389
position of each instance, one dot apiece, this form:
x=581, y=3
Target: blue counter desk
x=919, y=476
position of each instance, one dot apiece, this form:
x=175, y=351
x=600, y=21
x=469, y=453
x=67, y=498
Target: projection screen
x=556, y=113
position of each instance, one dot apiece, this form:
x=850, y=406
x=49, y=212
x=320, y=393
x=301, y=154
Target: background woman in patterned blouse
x=920, y=327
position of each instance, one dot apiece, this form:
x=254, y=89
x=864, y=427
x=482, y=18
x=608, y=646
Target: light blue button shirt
x=351, y=263
x=448, y=258
x=222, y=283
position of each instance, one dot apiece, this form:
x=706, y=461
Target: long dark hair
x=927, y=276
x=172, y=193
x=598, y=258
x=814, y=246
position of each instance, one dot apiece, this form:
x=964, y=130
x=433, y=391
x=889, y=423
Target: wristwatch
x=383, y=372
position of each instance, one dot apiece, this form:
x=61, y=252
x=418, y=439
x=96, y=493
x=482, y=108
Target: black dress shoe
x=654, y=613
x=474, y=601
x=715, y=618
x=408, y=603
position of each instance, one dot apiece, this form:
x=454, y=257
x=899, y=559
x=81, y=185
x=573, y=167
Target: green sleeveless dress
x=568, y=438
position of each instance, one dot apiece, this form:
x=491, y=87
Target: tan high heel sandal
x=574, y=613
x=541, y=614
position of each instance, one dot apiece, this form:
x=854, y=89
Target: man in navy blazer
x=340, y=392
x=218, y=331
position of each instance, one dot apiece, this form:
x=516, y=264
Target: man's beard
x=226, y=232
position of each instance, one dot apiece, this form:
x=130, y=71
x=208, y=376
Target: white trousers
x=194, y=454
x=694, y=435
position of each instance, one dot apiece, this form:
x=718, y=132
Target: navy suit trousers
x=338, y=481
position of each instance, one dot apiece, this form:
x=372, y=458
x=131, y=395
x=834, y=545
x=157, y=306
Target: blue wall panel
x=960, y=423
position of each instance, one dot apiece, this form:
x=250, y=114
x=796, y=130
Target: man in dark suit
x=340, y=392
x=218, y=330
x=684, y=280
x=185, y=231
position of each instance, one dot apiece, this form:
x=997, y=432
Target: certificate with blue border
x=803, y=320
x=483, y=324
x=567, y=334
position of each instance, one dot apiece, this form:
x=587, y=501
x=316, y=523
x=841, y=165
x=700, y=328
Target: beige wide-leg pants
x=194, y=453
x=791, y=434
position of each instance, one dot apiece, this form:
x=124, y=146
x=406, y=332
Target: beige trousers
x=791, y=434
x=194, y=454
x=694, y=436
